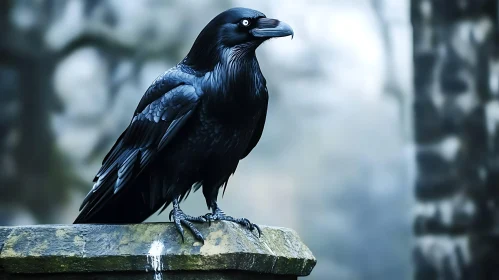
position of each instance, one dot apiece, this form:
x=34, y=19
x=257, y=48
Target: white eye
x=245, y=22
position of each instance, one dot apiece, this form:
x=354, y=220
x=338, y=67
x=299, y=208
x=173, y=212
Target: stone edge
x=4, y=233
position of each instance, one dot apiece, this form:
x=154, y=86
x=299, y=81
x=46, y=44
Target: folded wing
x=156, y=121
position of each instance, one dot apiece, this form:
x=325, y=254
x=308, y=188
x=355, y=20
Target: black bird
x=191, y=128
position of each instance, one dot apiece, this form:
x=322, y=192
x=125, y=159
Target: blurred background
x=379, y=147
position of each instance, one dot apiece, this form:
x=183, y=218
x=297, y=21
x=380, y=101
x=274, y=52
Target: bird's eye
x=245, y=22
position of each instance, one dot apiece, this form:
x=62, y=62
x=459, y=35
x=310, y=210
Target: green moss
x=61, y=233
x=39, y=248
x=11, y=245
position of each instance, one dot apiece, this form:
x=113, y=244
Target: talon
x=199, y=237
x=218, y=215
x=201, y=219
x=258, y=229
x=208, y=218
x=247, y=223
x=180, y=230
x=179, y=218
x=193, y=229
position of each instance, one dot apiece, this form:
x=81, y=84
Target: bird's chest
x=225, y=134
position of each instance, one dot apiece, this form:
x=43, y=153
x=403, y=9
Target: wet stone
x=141, y=251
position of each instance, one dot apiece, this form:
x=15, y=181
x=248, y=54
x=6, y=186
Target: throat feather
x=242, y=72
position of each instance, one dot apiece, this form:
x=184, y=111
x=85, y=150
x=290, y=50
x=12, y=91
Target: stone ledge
x=4, y=233
x=152, y=247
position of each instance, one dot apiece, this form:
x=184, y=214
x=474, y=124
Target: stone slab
x=150, y=247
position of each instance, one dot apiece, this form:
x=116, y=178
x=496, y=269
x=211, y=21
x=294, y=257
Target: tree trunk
x=456, y=113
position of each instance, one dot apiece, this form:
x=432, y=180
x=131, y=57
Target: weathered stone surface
x=132, y=248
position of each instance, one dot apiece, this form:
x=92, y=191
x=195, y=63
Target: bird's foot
x=180, y=218
x=219, y=215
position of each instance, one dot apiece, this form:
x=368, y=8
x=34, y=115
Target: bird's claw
x=179, y=219
x=209, y=218
x=220, y=216
x=246, y=223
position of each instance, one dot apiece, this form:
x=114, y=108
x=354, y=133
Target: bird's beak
x=269, y=28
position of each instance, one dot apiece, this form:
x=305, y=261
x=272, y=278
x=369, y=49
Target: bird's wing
x=154, y=124
x=257, y=133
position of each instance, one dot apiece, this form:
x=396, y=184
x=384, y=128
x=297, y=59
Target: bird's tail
x=140, y=198
x=128, y=206
x=116, y=194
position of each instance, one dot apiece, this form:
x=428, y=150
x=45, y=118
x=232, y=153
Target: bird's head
x=238, y=29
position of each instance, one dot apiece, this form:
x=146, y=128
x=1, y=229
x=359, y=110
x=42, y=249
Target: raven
x=190, y=129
